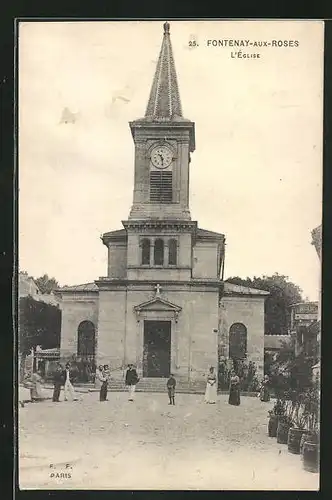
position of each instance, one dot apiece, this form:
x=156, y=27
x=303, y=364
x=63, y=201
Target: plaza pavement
x=148, y=444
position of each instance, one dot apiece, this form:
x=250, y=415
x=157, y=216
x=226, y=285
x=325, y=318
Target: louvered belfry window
x=161, y=187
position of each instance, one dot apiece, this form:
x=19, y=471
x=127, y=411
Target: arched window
x=159, y=252
x=146, y=252
x=172, y=252
x=237, y=341
x=86, y=339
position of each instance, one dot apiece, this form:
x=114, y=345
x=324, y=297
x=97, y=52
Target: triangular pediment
x=157, y=304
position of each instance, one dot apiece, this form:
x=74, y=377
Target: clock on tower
x=161, y=157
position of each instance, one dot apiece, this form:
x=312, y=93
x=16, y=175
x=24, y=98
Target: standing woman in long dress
x=99, y=379
x=211, y=387
x=36, y=391
x=265, y=390
x=234, y=390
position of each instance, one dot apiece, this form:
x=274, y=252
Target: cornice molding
x=174, y=225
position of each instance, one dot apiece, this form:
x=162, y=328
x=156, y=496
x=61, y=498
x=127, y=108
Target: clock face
x=161, y=157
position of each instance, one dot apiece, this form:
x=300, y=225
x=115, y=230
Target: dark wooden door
x=157, y=348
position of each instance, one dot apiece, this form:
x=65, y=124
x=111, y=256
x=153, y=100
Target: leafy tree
x=46, y=284
x=39, y=324
x=283, y=293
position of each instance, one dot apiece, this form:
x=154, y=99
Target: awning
x=47, y=353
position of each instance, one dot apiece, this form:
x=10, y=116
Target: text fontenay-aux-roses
x=249, y=44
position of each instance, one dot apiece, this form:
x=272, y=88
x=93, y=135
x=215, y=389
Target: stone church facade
x=163, y=304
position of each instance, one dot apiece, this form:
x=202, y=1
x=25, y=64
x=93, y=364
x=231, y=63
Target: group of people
x=131, y=380
x=103, y=376
x=234, y=388
x=63, y=377
x=212, y=386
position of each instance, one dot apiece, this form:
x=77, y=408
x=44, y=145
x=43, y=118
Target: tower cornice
x=167, y=125
x=160, y=224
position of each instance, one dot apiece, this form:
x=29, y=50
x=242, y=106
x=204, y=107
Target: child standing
x=104, y=387
x=171, y=384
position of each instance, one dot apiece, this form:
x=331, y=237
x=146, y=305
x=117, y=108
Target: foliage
x=301, y=373
x=39, y=324
x=292, y=374
x=279, y=408
x=245, y=371
x=283, y=293
x=301, y=414
x=290, y=399
x=311, y=403
x=46, y=284
x=224, y=371
x=299, y=408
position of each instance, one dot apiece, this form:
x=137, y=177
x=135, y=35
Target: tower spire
x=164, y=102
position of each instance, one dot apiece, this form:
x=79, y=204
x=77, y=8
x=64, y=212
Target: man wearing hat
x=131, y=381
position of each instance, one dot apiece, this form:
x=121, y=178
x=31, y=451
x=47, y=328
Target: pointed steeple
x=164, y=102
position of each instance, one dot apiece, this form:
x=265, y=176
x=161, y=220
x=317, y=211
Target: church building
x=163, y=305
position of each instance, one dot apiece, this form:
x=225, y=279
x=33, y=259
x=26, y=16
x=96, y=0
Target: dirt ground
x=148, y=444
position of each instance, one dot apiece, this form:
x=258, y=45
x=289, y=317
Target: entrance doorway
x=157, y=349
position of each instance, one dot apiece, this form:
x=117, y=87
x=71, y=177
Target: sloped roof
x=231, y=289
x=117, y=235
x=48, y=298
x=27, y=285
x=206, y=233
x=85, y=287
x=117, y=232
x=276, y=341
x=311, y=303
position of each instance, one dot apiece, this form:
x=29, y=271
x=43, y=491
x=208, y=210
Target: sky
x=256, y=174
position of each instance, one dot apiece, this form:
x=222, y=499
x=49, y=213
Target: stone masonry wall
x=76, y=309
x=112, y=325
x=205, y=260
x=117, y=260
x=250, y=312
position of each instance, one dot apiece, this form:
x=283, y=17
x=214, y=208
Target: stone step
x=118, y=386
x=153, y=390
x=157, y=385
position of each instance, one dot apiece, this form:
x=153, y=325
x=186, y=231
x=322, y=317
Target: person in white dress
x=68, y=388
x=211, y=387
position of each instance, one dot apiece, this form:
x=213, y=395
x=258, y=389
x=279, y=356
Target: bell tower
x=163, y=141
x=160, y=232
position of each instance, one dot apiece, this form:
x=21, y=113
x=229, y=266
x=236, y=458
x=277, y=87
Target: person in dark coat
x=104, y=386
x=171, y=384
x=234, y=390
x=131, y=381
x=58, y=380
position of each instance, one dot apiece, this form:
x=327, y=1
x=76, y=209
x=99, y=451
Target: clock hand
x=162, y=159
